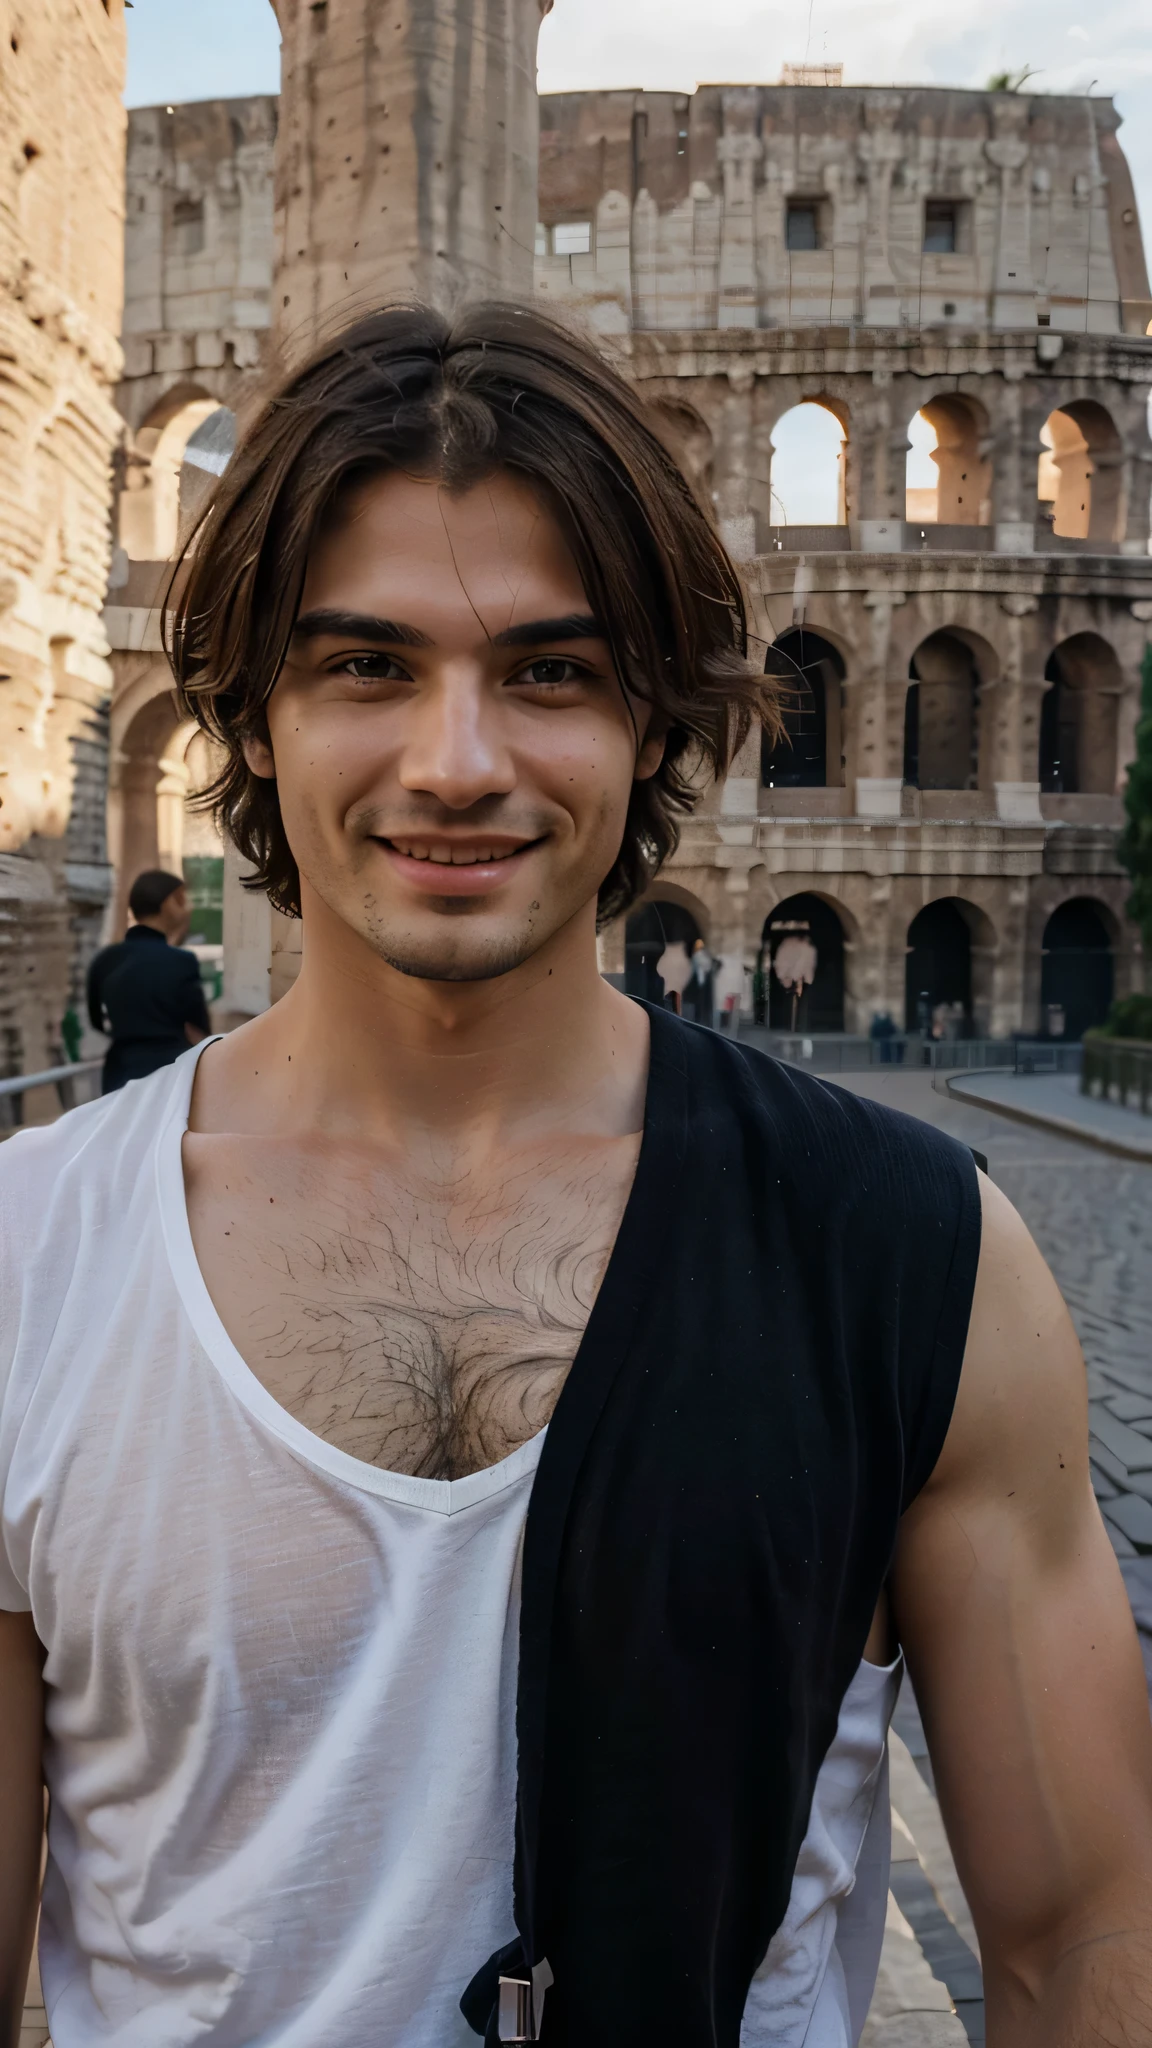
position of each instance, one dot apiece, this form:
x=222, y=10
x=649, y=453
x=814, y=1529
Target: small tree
x=1134, y=847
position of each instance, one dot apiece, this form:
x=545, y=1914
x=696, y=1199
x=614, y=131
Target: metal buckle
x=520, y=2010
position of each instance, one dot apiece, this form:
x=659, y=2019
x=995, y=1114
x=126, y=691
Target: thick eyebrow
x=363, y=626
x=574, y=626
x=321, y=625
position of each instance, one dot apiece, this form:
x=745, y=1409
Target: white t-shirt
x=281, y=1683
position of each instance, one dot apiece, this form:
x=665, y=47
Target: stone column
x=733, y=461
x=1014, y=295
x=1137, y=501
x=406, y=157
x=738, y=151
x=1010, y=715
x=1015, y=453
x=873, y=713
x=61, y=299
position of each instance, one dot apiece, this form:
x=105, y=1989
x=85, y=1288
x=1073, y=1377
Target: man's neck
x=359, y=1050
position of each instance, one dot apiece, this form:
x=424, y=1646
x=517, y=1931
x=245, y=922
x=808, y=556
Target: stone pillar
x=1010, y=715
x=1137, y=501
x=1014, y=295
x=738, y=151
x=1015, y=454
x=879, y=149
x=873, y=715
x=733, y=462
x=406, y=155
x=61, y=293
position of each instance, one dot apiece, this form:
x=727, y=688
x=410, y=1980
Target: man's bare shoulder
x=1019, y=1431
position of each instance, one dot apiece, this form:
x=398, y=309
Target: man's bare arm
x=1024, y=1656
x=21, y=1811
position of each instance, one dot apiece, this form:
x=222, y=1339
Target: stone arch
x=1080, y=473
x=158, y=496
x=821, y=919
x=1077, y=966
x=950, y=950
x=942, y=710
x=665, y=890
x=962, y=492
x=665, y=916
x=690, y=439
x=1079, y=717
x=809, y=464
x=140, y=763
x=811, y=671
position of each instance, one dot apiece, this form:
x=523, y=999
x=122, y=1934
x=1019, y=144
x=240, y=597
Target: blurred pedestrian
x=146, y=991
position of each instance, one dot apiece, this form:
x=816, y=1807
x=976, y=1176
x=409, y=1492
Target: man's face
x=175, y=916
x=453, y=750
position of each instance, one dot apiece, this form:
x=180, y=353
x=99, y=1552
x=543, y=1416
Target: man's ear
x=258, y=754
x=651, y=751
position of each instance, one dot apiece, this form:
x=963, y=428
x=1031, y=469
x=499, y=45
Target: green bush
x=1134, y=846
x=1131, y=1017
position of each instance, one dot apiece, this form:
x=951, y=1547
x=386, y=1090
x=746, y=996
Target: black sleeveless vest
x=765, y=1383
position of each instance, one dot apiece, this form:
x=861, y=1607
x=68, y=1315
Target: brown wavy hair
x=497, y=387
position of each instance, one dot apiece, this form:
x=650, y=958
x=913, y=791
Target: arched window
x=948, y=479
x=807, y=754
x=1079, y=474
x=809, y=467
x=821, y=1006
x=165, y=485
x=1079, y=715
x=207, y=453
x=1076, y=969
x=940, y=725
x=938, y=973
x=690, y=439
x=648, y=932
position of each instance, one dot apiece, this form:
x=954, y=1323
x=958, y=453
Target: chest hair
x=425, y=1327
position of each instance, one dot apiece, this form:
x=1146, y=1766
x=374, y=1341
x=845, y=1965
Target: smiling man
x=474, y=1451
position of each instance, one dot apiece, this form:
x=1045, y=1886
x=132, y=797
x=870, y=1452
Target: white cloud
x=672, y=45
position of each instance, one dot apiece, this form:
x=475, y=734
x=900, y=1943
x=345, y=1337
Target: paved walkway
x=1054, y=1102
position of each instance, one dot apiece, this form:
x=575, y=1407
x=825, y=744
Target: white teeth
x=449, y=856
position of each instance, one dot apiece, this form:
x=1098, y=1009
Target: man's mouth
x=454, y=854
x=455, y=867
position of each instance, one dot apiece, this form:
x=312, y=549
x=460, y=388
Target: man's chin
x=456, y=955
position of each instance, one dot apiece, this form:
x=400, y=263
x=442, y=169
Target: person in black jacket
x=146, y=991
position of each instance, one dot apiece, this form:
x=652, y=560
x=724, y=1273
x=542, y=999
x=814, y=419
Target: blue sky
x=201, y=49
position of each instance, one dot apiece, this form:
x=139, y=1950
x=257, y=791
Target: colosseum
x=945, y=291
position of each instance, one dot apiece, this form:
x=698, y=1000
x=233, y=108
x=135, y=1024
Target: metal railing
x=1118, y=1070
x=14, y=1087
x=834, y=1052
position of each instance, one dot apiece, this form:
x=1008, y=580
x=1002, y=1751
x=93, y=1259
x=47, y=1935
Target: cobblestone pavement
x=1091, y=1215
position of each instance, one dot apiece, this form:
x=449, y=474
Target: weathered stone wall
x=686, y=199
x=61, y=265
x=407, y=155
x=879, y=851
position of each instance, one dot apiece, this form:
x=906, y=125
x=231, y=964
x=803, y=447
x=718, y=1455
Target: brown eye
x=550, y=672
x=372, y=668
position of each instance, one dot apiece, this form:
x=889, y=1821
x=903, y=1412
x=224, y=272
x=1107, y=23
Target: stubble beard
x=453, y=955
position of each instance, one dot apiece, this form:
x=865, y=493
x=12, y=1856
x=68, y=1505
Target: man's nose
x=454, y=746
